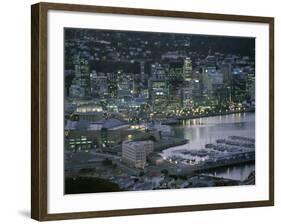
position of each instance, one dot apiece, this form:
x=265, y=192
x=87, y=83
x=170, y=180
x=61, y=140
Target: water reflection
x=201, y=131
x=239, y=172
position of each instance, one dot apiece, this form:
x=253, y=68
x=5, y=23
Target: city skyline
x=127, y=93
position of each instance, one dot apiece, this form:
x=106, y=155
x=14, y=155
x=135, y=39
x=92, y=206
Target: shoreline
x=232, y=164
x=179, y=144
x=178, y=119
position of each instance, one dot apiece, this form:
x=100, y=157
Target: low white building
x=135, y=152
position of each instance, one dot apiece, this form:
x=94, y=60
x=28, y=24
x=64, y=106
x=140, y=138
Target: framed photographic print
x=139, y=111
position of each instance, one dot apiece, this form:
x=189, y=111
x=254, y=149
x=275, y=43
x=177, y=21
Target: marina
x=210, y=147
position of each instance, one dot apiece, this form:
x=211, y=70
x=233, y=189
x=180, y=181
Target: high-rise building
x=187, y=69
x=175, y=84
x=112, y=89
x=238, y=88
x=197, y=90
x=99, y=86
x=158, y=87
x=124, y=85
x=250, y=86
x=158, y=90
x=81, y=86
x=207, y=81
x=143, y=75
x=158, y=72
x=187, y=99
x=226, y=71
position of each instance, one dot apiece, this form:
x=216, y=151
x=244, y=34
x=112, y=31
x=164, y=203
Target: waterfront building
x=111, y=124
x=135, y=152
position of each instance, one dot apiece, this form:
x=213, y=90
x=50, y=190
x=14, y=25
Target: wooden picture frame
x=39, y=109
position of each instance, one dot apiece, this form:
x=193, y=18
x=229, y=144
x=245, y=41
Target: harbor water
x=201, y=131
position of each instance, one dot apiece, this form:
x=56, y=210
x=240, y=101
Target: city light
x=145, y=110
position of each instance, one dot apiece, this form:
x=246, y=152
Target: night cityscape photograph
x=156, y=111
